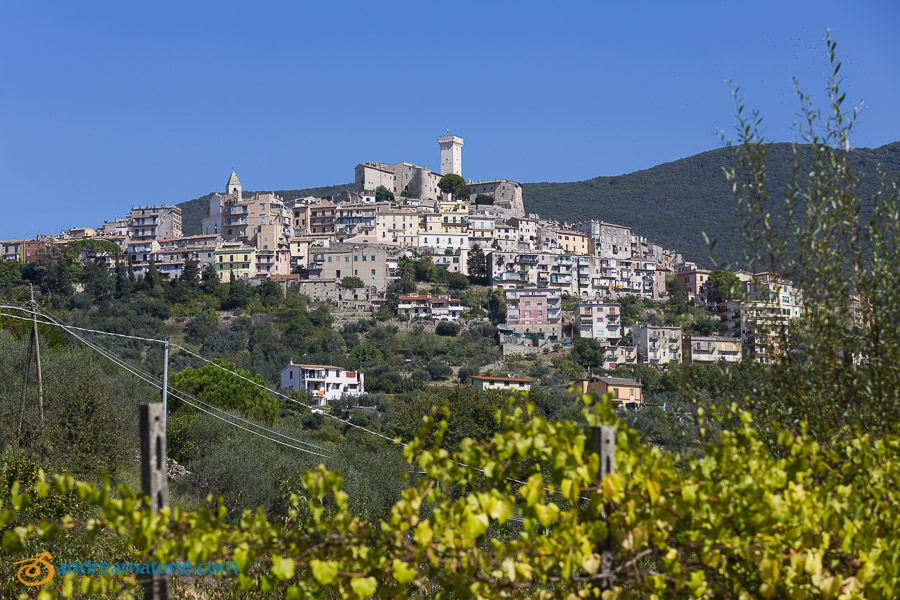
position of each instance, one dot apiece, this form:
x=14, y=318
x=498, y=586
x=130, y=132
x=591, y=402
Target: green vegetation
x=382, y=194
x=451, y=183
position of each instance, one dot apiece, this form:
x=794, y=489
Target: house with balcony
x=657, y=344
x=322, y=382
x=233, y=258
x=600, y=321
x=437, y=308
x=707, y=350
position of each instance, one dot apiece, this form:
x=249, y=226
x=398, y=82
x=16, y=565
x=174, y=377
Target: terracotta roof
x=500, y=378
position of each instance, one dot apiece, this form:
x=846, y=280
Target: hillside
x=674, y=203
x=671, y=204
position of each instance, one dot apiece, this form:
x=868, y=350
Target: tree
x=425, y=267
x=352, y=283
x=152, y=279
x=482, y=199
x=477, y=263
x=10, y=274
x=238, y=295
x=497, y=305
x=212, y=384
x=439, y=369
x=190, y=274
x=210, y=280
x=406, y=268
x=270, y=293
x=451, y=183
x=457, y=281
x=447, y=328
x=382, y=194
x=124, y=285
x=588, y=352
x=722, y=286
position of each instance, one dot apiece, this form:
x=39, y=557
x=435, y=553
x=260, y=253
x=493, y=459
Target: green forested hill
x=193, y=211
x=673, y=203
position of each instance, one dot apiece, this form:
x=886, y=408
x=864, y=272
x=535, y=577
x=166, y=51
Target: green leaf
x=14, y=540
x=364, y=586
x=324, y=571
x=402, y=571
x=282, y=568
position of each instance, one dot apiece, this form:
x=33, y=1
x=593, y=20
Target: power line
x=148, y=378
x=271, y=391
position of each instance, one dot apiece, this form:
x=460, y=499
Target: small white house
x=322, y=382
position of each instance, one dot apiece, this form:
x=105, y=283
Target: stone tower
x=234, y=185
x=451, y=154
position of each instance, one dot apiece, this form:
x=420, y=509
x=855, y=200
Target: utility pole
x=154, y=483
x=603, y=444
x=37, y=352
x=165, y=389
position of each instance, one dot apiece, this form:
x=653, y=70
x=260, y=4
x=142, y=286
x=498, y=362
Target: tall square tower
x=451, y=154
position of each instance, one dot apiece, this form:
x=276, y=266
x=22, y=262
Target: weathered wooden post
x=603, y=444
x=154, y=482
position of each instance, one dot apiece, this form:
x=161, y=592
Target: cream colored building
x=657, y=344
x=397, y=226
x=708, y=350
x=154, y=222
x=505, y=384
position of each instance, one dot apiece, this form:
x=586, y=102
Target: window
x=329, y=259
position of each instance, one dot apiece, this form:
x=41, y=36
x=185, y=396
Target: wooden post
x=25, y=385
x=603, y=443
x=154, y=483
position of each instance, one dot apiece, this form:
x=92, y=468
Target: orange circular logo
x=32, y=572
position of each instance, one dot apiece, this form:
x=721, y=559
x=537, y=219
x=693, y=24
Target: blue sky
x=109, y=104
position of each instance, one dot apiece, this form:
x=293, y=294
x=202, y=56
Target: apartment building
x=234, y=258
x=322, y=382
x=533, y=312
x=321, y=219
x=761, y=318
x=398, y=226
x=438, y=308
x=707, y=350
x=657, y=344
x=600, y=321
x=354, y=219
x=481, y=230
x=609, y=240
x=139, y=252
x=692, y=282
x=370, y=262
x=454, y=218
x=12, y=250
x=154, y=222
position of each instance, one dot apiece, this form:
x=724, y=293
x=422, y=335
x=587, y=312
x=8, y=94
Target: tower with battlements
x=451, y=154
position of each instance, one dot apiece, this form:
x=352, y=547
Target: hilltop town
x=355, y=248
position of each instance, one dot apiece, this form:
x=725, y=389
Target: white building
x=322, y=382
x=600, y=321
x=451, y=154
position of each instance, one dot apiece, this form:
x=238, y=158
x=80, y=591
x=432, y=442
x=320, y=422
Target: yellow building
x=454, y=217
x=572, y=242
x=397, y=226
x=513, y=384
x=234, y=257
x=626, y=392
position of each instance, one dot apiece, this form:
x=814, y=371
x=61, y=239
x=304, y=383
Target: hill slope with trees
x=674, y=203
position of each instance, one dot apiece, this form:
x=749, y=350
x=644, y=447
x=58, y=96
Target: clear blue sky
x=109, y=104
